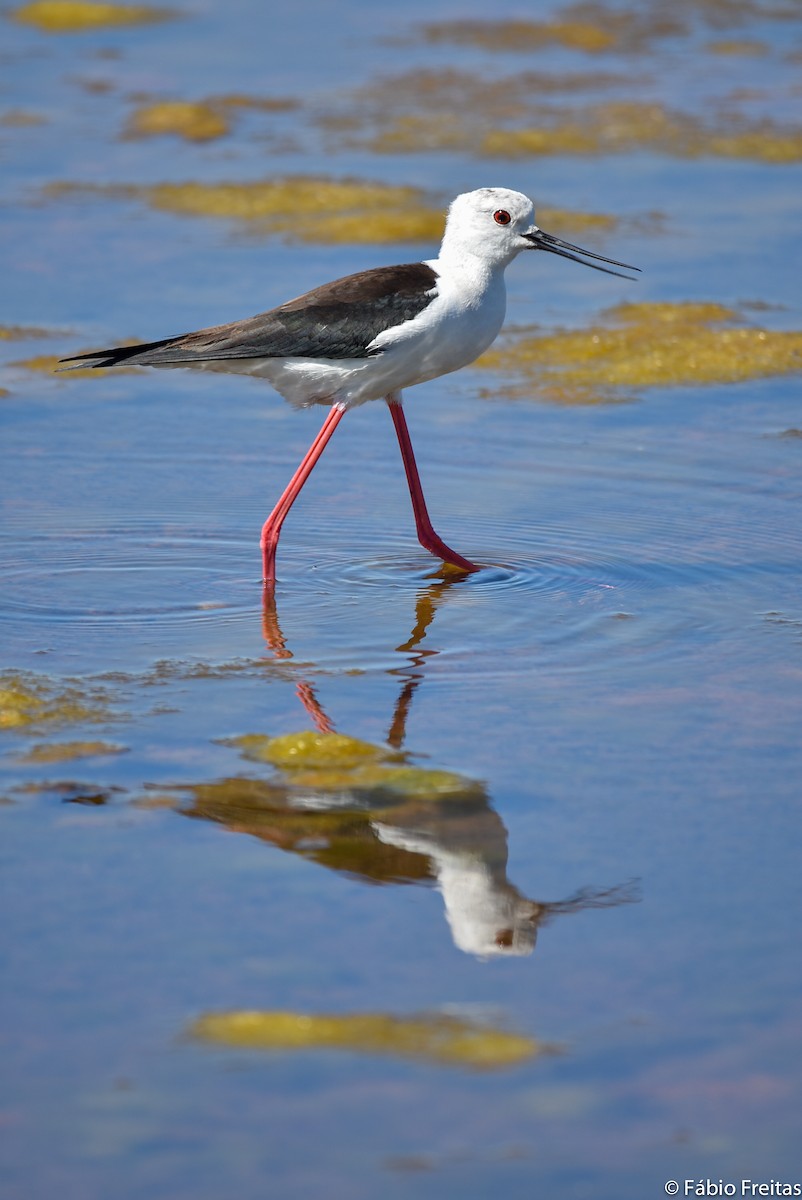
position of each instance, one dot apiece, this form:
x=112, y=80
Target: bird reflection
x=368, y=811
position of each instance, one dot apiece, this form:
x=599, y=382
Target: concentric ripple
x=124, y=577
x=662, y=583
x=653, y=581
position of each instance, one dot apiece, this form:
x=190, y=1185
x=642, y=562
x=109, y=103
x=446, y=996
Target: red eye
x=502, y=217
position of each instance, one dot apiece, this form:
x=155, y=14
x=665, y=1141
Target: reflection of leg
x=426, y=534
x=306, y=694
x=272, y=526
x=271, y=630
x=277, y=644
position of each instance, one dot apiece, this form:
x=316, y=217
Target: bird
x=369, y=335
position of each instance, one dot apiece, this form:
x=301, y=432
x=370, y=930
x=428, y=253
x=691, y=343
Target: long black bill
x=547, y=241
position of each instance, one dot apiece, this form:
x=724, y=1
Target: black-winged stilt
x=367, y=336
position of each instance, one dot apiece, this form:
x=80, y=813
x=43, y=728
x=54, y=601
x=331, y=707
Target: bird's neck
x=476, y=275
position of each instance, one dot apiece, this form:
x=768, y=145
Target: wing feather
x=339, y=320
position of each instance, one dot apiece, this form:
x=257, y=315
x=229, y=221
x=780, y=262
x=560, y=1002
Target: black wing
x=338, y=320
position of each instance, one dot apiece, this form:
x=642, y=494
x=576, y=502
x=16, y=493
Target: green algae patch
x=313, y=210
x=17, y=333
x=593, y=27
x=202, y=120
x=280, y=200
x=242, y=100
x=308, y=209
x=333, y=829
x=56, y=752
x=444, y=1040
x=335, y=763
x=428, y=110
x=619, y=127
x=28, y=701
x=379, y=780
x=425, y=109
x=430, y=91
x=523, y=115
x=20, y=118
x=51, y=364
x=574, y=221
x=738, y=48
x=568, y=138
x=48, y=364
x=309, y=749
x=304, y=208
x=78, y=16
x=391, y=225
x=521, y=36
x=764, y=144
x=196, y=121
x=636, y=346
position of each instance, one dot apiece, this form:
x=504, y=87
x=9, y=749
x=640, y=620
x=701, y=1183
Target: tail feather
x=144, y=354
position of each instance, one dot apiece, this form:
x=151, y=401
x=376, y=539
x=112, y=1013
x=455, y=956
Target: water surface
x=594, y=846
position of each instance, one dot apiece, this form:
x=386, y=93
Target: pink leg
x=426, y=534
x=272, y=526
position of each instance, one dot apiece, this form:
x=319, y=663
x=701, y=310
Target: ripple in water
x=127, y=577
x=544, y=594
x=663, y=584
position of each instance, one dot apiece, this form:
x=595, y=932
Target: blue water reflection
x=617, y=691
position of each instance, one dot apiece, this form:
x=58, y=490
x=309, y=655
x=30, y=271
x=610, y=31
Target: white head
x=496, y=224
x=490, y=223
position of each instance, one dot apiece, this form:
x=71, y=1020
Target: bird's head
x=496, y=224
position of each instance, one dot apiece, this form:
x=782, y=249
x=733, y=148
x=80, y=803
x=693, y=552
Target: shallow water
x=599, y=730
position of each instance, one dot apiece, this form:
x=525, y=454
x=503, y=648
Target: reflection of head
x=467, y=853
x=488, y=916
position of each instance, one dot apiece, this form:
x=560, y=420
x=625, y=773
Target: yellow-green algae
x=521, y=36
x=646, y=345
x=195, y=121
x=738, y=47
x=334, y=762
x=338, y=836
x=431, y=110
x=309, y=749
x=55, y=752
x=479, y=118
x=76, y=16
x=302, y=207
x=15, y=333
x=313, y=209
x=49, y=364
x=29, y=701
x=594, y=27
x=199, y=120
x=323, y=795
x=281, y=201
x=430, y=91
x=624, y=126
x=446, y=1040
x=20, y=118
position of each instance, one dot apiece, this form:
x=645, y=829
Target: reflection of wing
x=336, y=836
